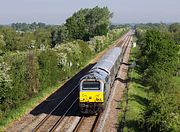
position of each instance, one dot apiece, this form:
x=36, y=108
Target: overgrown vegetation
x=158, y=63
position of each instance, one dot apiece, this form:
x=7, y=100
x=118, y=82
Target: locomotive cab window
x=91, y=85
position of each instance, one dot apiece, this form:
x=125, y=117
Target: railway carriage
x=95, y=85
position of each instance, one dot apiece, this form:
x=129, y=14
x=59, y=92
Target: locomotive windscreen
x=91, y=85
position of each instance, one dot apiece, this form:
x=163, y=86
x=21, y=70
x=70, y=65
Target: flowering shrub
x=5, y=81
x=24, y=74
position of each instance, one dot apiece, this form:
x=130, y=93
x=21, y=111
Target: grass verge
x=136, y=102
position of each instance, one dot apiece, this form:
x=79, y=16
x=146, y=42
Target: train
x=95, y=85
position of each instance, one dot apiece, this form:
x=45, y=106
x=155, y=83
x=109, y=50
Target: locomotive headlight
x=82, y=99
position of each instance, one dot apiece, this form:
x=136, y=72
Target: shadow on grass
x=141, y=100
x=133, y=125
x=137, y=80
x=130, y=126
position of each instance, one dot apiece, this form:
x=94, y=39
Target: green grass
x=136, y=102
x=177, y=82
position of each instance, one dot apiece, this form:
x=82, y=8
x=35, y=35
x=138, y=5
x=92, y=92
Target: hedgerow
x=24, y=74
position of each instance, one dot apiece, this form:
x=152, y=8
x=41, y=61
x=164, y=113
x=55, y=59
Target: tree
x=162, y=112
x=175, y=27
x=97, y=17
x=42, y=37
x=159, y=57
x=175, y=31
x=158, y=50
x=2, y=43
x=76, y=25
x=87, y=23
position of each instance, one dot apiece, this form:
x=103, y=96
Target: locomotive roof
x=108, y=60
x=113, y=51
x=96, y=74
x=103, y=67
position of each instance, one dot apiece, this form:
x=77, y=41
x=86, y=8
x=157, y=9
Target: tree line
x=28, y=27
x=83, y=24
x=158, y=62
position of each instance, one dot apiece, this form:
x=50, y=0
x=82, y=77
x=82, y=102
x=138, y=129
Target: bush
x=48, y=68
x=158, y=61
x=162, y=114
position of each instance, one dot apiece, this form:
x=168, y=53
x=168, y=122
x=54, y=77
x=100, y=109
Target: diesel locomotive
x=95, y=86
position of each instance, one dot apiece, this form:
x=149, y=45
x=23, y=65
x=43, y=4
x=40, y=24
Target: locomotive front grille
x=91, y=108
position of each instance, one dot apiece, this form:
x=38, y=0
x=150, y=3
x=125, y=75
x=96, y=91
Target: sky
x=57, y=11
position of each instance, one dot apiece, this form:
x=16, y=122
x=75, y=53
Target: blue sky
x=57, y=11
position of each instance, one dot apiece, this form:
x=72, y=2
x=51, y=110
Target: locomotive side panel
x=92, y=99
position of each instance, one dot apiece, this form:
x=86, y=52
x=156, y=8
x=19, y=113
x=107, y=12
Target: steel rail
x=62, y=117
x=57, y=106
x=94, y=125
x=96, y=122
x=79, y=124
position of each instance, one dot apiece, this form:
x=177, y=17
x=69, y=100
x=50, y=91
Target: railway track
x=93, y=124
x=54, y=110
x=52, y=125
x=109, y=120
x=62, y=117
